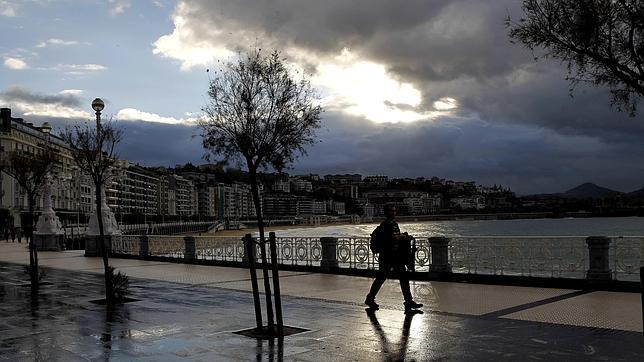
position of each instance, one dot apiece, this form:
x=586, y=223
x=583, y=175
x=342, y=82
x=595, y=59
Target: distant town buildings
x=208, y=191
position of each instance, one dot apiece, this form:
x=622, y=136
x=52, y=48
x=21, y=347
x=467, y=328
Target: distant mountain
x=589, y=191
x=638, y=194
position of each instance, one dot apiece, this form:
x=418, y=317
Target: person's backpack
x=377, y=239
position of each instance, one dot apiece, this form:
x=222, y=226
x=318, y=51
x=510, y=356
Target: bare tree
x=30, y=172
x=94, y=151
x=259, y=113
x=601, y=41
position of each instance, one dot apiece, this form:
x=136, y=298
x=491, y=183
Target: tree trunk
x=276, y=284
x=33, y=253
x=249, y=244
x=109, y=294
x=252, y=172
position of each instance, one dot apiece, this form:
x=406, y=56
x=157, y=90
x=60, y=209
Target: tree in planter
x=94, y=151
x=601, y=41
x=259, y=113
x=30, y=172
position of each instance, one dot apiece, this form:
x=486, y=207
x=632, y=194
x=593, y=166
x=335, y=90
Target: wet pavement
x=175, y=321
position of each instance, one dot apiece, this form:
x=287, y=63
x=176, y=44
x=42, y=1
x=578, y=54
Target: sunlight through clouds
x=364, y=88
x=445, y=104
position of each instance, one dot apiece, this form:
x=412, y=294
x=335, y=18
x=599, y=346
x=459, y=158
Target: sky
x=409, y=89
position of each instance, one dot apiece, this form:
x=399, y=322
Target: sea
x=604, y=226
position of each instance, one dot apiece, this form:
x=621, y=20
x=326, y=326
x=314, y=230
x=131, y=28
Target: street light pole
x=98, y=105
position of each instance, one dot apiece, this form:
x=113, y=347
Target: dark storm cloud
x=25, y=95
x=458, y=49
x=323, y=25
x=527, y=158
x=516, y=121
x=158, y=144
x=148, y=143
x=418, y=40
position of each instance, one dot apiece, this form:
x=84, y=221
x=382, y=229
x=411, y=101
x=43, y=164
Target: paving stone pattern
x=174, y=321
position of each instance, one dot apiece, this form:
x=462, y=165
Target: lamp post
x=108, y=219
x=98, y=105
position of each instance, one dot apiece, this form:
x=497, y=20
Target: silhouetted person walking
x=13, y=234
x=393, y=257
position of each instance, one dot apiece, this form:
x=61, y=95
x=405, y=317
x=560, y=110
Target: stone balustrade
x=594, y=258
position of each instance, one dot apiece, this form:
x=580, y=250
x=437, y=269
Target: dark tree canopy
x=257, y=110
x=30, y=170
x=94, y=151
x=601, y=41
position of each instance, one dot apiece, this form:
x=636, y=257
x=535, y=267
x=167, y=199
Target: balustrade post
x=144, y=246
x=329, y=260
x=190, y=252
x=599, y=268
x=439, y=246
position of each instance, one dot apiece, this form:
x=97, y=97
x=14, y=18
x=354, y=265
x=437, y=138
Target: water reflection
x=392, y=352
x=525, y=227
x=272, y=354
x=115, y=334
x=40, y=343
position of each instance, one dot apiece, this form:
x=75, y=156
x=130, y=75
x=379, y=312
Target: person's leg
x=376, y=285
x=403, y=277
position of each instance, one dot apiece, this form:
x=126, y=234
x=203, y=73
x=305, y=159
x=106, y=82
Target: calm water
x=618, y=226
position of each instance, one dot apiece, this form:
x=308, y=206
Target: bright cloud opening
x=131, y=114
x=364, y=88
x=15, y=63
x=445, y=104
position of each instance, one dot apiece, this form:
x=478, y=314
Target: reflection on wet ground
x=172, y=321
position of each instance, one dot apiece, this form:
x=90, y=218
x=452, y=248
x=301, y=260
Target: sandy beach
x=253, y=230
x=267, y=229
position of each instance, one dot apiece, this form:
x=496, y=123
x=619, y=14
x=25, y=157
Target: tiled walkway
x=188, y=311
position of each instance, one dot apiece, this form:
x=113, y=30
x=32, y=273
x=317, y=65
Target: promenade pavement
x=189, y=312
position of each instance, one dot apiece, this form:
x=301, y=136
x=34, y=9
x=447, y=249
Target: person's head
x=390, y=211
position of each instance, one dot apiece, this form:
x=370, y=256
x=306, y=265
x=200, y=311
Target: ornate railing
x=626, y=257
x=551, y=257
x=126, y=244
x=354, y=253
x=298, y=251
x=166, y=246
x=556, y=257
x=218, y=248
x=166, y=228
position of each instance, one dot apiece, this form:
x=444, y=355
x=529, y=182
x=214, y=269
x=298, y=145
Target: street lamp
x=98, y=105
x=46, y=129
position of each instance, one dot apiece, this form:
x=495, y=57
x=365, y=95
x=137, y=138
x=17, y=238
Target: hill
x=589, y=191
